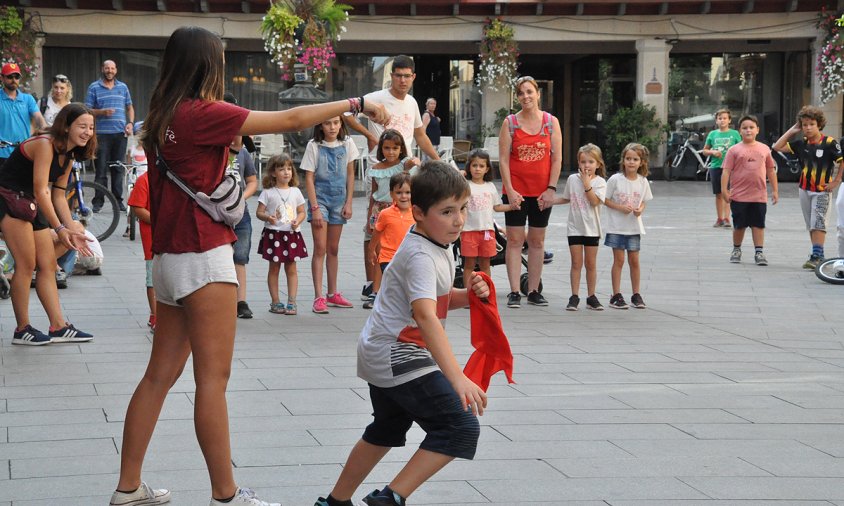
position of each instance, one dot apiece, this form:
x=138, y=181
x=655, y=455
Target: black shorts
x=583, y=240
x=748, y=214
x=39, y=223
x=432, y=403
x=529, y=213
x=715, y=177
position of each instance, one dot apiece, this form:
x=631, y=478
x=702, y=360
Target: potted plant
x=498, y=60
x=17, y=44
x=830, y=67
x=303, y=31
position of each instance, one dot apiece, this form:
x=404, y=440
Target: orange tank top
x=530, y=157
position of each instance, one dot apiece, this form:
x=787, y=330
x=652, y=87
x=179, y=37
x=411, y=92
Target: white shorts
x=815, y=206
x=177, y=275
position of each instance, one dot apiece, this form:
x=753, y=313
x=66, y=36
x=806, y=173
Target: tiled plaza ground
x=728, y=390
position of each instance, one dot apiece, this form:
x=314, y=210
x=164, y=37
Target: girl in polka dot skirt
x=282, y=207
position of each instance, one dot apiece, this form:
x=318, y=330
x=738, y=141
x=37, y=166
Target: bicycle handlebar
x=7, y=144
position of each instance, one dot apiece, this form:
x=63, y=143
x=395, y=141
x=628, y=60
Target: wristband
x=59, y=229
x=551, y=187
x=587, y=190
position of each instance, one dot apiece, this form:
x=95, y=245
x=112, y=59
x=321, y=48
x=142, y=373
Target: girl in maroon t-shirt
x=193, y=270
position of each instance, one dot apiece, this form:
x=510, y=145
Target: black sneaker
x=383, y=498
x=70, y=334
x=370, y=301
x=617, y=302
x=548, y=258
x=30, y=337
x=637, y=302
x=514, y=300
x=243, y=310
x=593, y=303
x=574, y=300
x=536, y=299
x=367, y=290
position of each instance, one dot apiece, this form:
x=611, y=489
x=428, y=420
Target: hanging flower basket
x=303, y=31
x=499, y=56
x=830, y=66
x=17, y=44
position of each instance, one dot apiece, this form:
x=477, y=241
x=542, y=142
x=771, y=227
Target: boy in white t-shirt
x=404, y=353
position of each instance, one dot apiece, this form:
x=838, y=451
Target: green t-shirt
x=722, y=141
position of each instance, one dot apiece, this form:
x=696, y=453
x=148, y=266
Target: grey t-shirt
x=245, y=166
x=391, y=350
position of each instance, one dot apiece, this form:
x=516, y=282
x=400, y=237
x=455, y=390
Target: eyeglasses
x=16, y=77
x=60, y=78
x=403, y=76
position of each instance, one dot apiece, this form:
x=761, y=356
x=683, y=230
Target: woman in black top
x=432, y=123
x=39, y=168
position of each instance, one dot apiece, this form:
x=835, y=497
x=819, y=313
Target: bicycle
x=787, y=166
x=131, y=177
x=101, y=223
x=831, y=271
x=674, y=163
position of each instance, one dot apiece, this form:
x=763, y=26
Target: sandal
x=290, y=309
x=277, y=308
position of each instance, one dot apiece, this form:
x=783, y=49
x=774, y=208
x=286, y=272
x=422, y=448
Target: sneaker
x=548, y=258
x=617, y=302
x=812, y=262
x=30, y=337
x=514, y=300
x=718, y=223
x=384, y=498
x=593, y=303
x=337, y=300
x=61, y=279
x=322, y=501
x=726, y=224
x=95, y=272
x=735, y=256
x=319, y=306
x=536, y=299
x=122, y=207
x=277, y=308
x=370, y=301
x=243, y=310
x=574, y=301
x=366, y=292
x=244, y=497
x=290, y=309
x=637, y=302
x=96, y=209
x=760, y=259
x=70, y=334
x=142, y=497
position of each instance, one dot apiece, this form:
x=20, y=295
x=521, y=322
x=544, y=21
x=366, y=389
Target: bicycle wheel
x=102, y=223
x=831, y=270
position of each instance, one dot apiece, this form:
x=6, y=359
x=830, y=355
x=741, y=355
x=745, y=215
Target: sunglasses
x=16, y=77
x=60, y=78
x=524, y=79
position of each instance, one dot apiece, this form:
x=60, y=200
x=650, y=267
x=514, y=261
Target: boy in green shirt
x=716, y=146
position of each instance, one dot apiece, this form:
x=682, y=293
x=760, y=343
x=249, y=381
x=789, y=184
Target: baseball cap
x=10, y=68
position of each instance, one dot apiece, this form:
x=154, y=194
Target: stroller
x=498, y=259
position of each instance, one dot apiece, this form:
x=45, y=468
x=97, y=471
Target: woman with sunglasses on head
x=190, y=128
x=33, y=180
x=530, y=157
x=60, y=95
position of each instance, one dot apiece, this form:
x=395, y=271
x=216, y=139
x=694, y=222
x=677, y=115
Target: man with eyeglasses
x=111, y=103
x=18, y=111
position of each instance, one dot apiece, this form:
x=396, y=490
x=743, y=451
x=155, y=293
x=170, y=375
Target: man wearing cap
x=18, y=111
x=111, y=103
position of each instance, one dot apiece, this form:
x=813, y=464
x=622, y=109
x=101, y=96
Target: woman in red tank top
x=530, y=154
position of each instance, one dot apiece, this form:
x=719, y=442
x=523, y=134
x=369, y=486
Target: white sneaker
x=144, y=496
x=244, y=497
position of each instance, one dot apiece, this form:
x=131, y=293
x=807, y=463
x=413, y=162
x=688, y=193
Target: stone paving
x=728, y=390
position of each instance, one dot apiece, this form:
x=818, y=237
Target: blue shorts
x=432, y=403
x=621, y=241
x=331, y=207
x=243, y=230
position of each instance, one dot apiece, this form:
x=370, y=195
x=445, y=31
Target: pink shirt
x=748, y=165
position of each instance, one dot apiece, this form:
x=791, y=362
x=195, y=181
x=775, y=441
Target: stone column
x=492, y=101
x=652, y=80
x=38, y=84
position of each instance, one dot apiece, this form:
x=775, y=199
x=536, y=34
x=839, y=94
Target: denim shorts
x=331, y=206
x=621, y=241
x=243, y=230
x=432, y=403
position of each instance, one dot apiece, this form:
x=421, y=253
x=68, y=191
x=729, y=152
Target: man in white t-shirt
x=402, y=107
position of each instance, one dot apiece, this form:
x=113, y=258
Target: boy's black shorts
x=748, y=214
x=432, y=403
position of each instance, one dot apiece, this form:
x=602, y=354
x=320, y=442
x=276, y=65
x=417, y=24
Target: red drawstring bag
x=492, y=349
